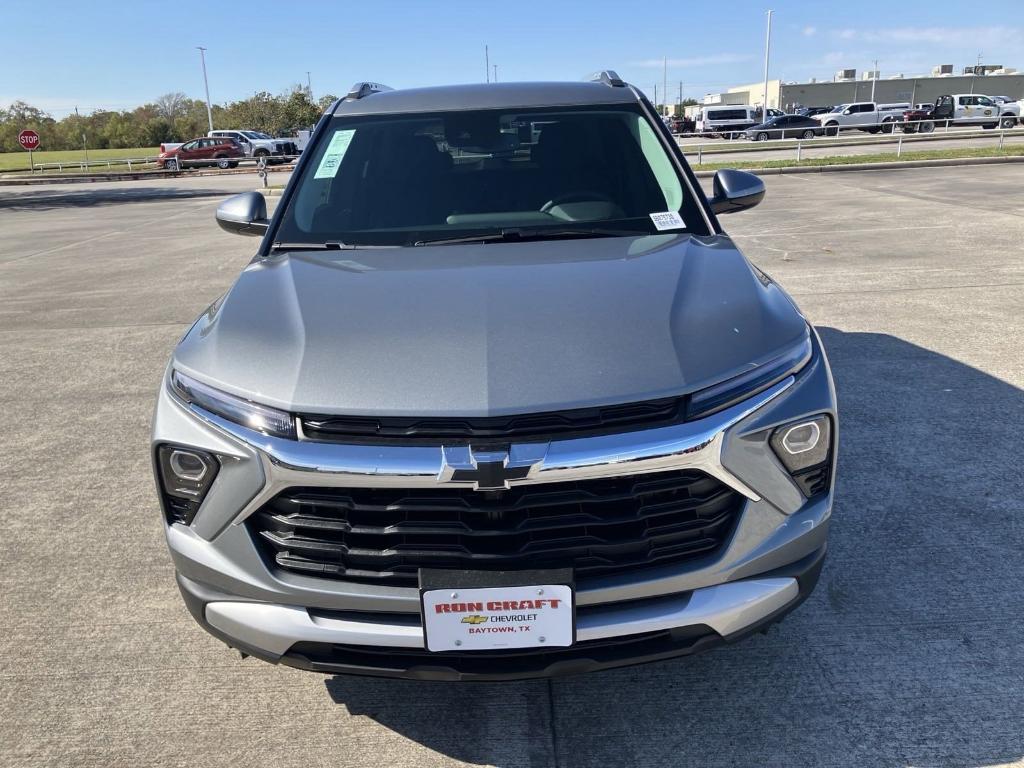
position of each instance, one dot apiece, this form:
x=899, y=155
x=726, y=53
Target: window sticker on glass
x=336, y=150
x=667, y=220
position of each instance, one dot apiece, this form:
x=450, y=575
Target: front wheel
x=762, y=137
x=808, y=134
x=171, y=165
x=928, y=127
x=832, y=129
x=223, y=163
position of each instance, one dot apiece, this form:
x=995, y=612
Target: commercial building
x=846, y=87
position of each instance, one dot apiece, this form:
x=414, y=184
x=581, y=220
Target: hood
x=490, y=329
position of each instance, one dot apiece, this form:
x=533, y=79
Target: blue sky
x=105, y=54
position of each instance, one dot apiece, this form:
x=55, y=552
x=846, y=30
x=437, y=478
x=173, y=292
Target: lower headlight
x=186, y=475
x=805, y=449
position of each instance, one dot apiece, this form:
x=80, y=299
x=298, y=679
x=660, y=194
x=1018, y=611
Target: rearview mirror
x=244, y=214
x=736, y=191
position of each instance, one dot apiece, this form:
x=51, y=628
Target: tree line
x=172, y=117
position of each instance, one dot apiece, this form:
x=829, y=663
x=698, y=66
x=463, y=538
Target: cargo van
x=728, y=120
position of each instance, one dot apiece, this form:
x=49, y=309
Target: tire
x=1007, y=121
x=222, y=162
x=260, y=153
x=171, y=165
x=832, y=129
x=761, y=137
x=888, y=126
x=808, y=134
x=233, y=164
x=927, y=127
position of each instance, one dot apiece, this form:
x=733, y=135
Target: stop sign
x=28, y=140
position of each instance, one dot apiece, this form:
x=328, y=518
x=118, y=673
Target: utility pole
x=656, y=96
x=85, y=146
x=309, y=86
x=487, y=64
x=874, y=79
x=680, y=98
x=206, y=84
x=767, y=53
x=495, y=72
x=664, y=83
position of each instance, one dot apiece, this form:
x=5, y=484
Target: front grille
x=597, y=527
x=577, y=422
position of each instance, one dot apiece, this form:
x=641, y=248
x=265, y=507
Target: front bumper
x=769, y=564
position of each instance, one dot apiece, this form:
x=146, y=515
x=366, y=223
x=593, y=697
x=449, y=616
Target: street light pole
x=206, y=84
x=495, y=72
x=487, y=64
x=767, y=53
x=664, y=84
x=309, y=86
x=874, y=78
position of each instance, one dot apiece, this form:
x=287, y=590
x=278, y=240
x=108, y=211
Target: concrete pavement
x=909, y=653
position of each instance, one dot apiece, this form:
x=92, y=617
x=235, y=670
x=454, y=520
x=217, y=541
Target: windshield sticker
x=667, y=220
x=336, y=150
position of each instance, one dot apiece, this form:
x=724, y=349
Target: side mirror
x=847, y=112
x=244, y=214
x=736, y=191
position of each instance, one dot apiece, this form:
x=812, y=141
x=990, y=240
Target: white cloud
x=810, y=31
x=846, y=34
x=696, y=61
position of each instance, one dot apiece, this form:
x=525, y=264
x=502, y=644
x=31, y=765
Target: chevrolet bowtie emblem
x=490, y=470
x=474, y=619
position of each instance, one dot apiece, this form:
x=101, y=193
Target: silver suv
x=496, y=398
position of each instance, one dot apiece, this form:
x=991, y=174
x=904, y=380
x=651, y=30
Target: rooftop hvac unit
x=942, y=69
x=1004, y=71
x=871, y=75
x=846, y=74
x=814, y=79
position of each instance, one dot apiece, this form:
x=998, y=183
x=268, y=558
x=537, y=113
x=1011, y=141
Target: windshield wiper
x=329, y=246
x=515, y=235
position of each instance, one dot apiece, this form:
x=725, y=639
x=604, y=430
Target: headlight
x=261, y=418
x=186, y=474
x=805, y=448
x=729, y=392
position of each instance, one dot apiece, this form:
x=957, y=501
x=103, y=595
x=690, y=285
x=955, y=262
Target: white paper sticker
x=667, y=220
x=498, y=617
x=336, y=150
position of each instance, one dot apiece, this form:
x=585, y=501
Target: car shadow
x=14, y=199
x=908, y=653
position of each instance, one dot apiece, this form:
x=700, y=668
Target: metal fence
x=894, y=133
x=150, y=164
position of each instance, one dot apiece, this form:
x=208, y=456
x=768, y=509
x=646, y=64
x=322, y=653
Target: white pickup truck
x=862, y=115
x=964, y=109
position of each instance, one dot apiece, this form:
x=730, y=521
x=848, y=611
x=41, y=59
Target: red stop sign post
x=29, y=140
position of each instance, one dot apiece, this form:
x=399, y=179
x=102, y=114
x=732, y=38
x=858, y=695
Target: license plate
x=495, y=618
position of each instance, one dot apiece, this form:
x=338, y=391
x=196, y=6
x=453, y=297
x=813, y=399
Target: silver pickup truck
x=862, y=115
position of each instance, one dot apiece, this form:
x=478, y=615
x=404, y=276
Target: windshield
x=840, y=108
x=408, y=179
x=256, y=135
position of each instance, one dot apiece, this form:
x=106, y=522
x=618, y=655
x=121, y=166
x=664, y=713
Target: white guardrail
x=893, y=132
x=149, y=164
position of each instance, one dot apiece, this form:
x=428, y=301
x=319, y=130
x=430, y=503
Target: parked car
x=220, y=152
x=258, y=144
x=963, y=109
x=862, y=115
x=785, y=127
x=728, y=121
x=462, y=418
x=683, y=125
x=812, y=111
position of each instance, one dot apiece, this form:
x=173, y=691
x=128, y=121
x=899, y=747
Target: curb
x=888, y=166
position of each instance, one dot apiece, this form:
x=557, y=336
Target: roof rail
x=360, y=90
x=608, y=77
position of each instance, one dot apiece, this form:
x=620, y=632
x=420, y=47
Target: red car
x=219, y=151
